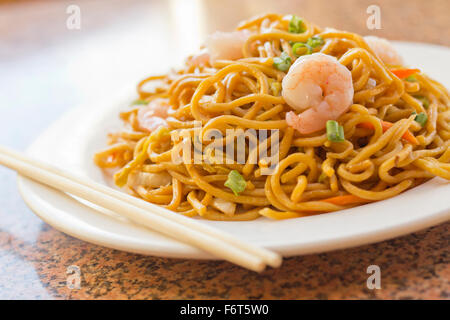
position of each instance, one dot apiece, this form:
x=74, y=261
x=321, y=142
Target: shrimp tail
x=294, y=121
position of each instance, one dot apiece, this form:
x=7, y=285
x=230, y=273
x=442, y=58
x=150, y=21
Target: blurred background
x=47, y=67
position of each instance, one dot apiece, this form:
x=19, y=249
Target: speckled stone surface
x=41, y=58
x=416, y=266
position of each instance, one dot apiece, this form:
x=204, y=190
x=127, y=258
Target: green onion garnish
x=315, y=41
x=296, y=25
x=275, y=87
x=424, y=100
x=310, y=45
x=421, y=118
x=283, y=62
x=335, y=132
x=235, y=182
x=411, y=79
x=299, y=45
x=138, y=102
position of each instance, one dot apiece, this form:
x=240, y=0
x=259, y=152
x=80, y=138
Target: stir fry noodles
x=345, y=123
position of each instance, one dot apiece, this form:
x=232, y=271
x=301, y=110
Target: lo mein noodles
x=354, y=125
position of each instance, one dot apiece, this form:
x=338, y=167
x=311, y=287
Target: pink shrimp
x=222, y=46
x=320, y=87
x=200, y=59
x=153, y=115
x=384, y=50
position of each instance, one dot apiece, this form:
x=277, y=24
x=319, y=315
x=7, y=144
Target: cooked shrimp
x=153, y=115
x=226, y=45
x=384, y=50
x=200, y=59
x=321, y=87
x=148, y=179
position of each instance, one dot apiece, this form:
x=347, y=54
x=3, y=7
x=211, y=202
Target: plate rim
x=186, y=252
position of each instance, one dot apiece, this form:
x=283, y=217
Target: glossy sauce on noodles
x=396, y=129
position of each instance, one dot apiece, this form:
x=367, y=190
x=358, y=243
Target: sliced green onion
x=421, y=119
x=296, y=25
x=424, y=100
x=411, y=79
x=275, y=87
x=138, y=102
x=299, y=45
x=310, y=44
x=283, y=62
x=235, y=182
x=315, y=41
x=335, y=132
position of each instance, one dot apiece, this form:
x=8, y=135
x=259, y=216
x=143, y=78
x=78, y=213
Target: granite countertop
x=51, y=66
x=412, y=267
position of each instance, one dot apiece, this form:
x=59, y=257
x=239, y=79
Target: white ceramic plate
x=72, y=141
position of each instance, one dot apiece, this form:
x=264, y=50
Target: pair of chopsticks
x=158, y=219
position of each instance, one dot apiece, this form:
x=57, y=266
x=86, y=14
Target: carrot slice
x=347, y=199
x=404, y=73
x=408, y=136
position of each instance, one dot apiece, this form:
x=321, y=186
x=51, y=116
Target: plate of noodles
x=291, y=136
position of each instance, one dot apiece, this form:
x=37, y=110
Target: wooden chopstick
x=269, y=257
x=159, y=219
x=143, y=217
